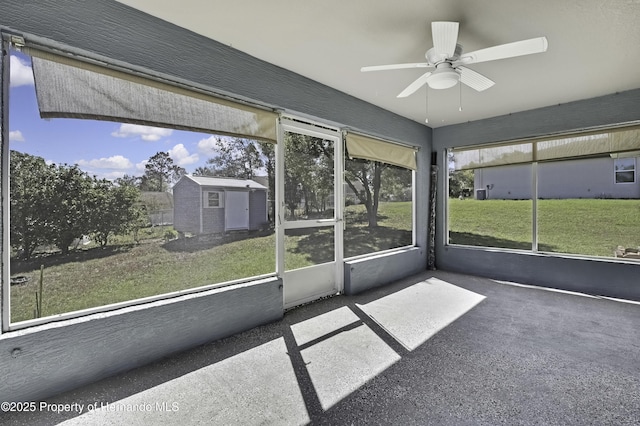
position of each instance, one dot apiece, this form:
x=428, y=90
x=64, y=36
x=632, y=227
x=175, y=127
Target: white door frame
x=319, y=280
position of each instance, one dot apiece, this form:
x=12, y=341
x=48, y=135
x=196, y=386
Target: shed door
x=236, y=210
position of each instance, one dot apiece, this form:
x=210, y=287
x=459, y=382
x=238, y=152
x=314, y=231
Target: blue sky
x=102, y=148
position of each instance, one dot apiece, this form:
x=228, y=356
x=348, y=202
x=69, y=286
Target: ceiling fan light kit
x=443, y=77
x=449, y=62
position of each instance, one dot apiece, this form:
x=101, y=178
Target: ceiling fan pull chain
x=427, y=104
x=460, y=101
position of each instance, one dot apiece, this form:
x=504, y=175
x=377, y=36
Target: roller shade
x=492, y=156
x=589, y=145
x=69, y=88
x=616, y=143
x=367, y=148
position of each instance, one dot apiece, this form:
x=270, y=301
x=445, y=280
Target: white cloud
x=211, y=145
x=117, y=162
x=21, y=73
x=16, y=136
x=141, y=165
x=181, y=156
x=147, y=133
x=207, y=146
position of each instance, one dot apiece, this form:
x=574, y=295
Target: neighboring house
x=208, y=205
x=159, y=207
x=601, y=177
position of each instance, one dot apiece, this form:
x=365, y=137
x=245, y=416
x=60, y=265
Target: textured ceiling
x=594, y=47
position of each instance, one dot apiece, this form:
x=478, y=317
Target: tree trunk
x=375, y=198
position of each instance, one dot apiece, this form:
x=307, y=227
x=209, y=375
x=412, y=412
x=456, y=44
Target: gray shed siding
x=258, y=210
x=186, y=219
x=585, y=178
x=212, y=218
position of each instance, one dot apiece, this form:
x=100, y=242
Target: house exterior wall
x=584, y=178
x=186, y=206
x=516, y=184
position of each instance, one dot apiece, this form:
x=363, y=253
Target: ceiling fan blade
x=445, y=37
x=421, y=81
x=474, y=79
x=503, y=51
x=395, y=67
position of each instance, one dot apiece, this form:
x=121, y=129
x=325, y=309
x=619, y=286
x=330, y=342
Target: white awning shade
x=580, y=146
x=367, y=148
x=69, y=88
x=492, y=156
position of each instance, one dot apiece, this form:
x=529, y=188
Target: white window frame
x=206, y=200
x=615, y=172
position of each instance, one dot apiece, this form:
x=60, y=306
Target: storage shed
x=209, y=205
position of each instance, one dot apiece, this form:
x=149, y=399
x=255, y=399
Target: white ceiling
x=594, y=47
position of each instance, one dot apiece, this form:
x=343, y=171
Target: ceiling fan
x=449, y=61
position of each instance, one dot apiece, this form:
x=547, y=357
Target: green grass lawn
x=125, y=270
x=592, y=227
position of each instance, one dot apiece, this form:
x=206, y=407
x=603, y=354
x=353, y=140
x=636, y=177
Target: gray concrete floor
x=437, y=348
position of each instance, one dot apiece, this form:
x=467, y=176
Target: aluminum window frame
x=534, y=185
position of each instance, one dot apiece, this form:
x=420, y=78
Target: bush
x=170, y=234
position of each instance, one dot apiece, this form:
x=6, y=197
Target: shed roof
x=225, y=182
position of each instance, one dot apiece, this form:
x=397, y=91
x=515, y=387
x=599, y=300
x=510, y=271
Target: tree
x=238, y=157
x=114, y=210
x=70, y=206
x=369, y=175
x=461, y=183
x=396, y=184
x=160, y=173
x=128, y=180
x=31, y=189
x=308, y=172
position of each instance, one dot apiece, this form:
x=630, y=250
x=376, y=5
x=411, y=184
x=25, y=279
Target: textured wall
x=45, y=360
x=587, y=275
x=364, y=274
x=574, y=116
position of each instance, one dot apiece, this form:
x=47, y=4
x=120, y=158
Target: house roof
x=225, y=182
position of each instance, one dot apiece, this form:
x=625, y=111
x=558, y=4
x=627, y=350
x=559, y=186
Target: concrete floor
x=437, y=348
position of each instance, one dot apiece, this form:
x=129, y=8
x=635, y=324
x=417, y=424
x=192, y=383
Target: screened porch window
x=104, y=211
x=554, y=195
x=378, y=195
